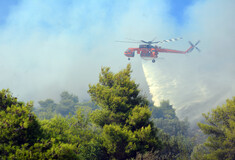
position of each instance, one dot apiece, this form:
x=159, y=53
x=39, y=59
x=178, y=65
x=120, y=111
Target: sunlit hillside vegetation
x=118, y=123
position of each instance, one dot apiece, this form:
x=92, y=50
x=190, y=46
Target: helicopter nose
x=127, y=54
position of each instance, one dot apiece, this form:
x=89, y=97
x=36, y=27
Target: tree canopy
x=124, y=115
x=220, y=128
x=23, y=136
x=68, y=104
x=18, y=125
x=119, y=123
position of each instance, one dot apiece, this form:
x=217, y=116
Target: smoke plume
x=199, y=81
x=54, y=46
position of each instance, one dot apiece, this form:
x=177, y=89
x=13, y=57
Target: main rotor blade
x=143, y=41
x=169, y=40
x=134, y=40
x=156, y=42
x=127, y=42
x=153, y=39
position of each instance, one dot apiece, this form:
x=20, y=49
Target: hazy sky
x=47, y=47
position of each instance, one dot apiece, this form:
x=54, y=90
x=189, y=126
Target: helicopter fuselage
x=148, y=51
x=144, y=51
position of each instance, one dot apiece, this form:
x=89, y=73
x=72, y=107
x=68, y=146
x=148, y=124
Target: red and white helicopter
x=148, y=51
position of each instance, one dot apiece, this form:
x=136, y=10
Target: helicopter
x=148, y=51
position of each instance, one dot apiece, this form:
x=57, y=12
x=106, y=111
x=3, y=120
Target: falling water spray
x=189, y=96
x=161, y=87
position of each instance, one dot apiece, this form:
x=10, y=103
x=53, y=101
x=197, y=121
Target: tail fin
x=193, y=46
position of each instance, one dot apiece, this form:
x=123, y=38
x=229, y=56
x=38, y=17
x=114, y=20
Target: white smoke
x=51, y=46
x=190, y=96
x=198, y=82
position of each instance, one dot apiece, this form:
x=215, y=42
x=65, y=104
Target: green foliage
x=199, y=151
x=118, y=140
x=76, y=131
x=7, y=100
x=124, y=115
x=164, y=117
x=71, y=130
x=46, y=150
x=18, y=125
x=173, y=127
x=123, y=127
x=68, y=104
x=220, y=129
x=116, y=92
x=49, y=103
x=174, y=133
x=48, y=108
x=68, y=99
x=23, y=137
x=88, y=104
x=93, y=150
x=126, y=132
x=139, y=117
x=175, y=147
x=164, y=111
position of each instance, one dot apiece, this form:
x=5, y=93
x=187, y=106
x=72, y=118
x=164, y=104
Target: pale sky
x=47, y=47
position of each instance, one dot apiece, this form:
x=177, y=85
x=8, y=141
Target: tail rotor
x=194, y=46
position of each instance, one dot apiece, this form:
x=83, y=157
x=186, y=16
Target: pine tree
x=124, y=115
x=22, y=137
x=18, y=125
x=220, y=129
